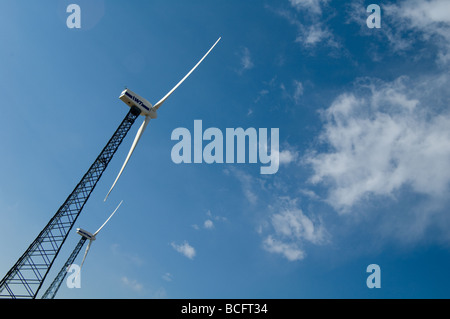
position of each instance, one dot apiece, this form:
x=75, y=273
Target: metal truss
x=26, y=277
x=51, y=291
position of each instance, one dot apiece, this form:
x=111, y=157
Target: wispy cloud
x=251, y=185
x=298, y=91
x=312, y=29
x=294, y=224
x=132, y=284
x=431, y=18
x=289, y=250
x=283, y=157
x=284, y=227
x=312, y=35
x=185, y=249
x=246, y=62
x=408, y=23
x=381, y=140
x=247, y=184
x=386, y=141
x=167, y=277
x=208, y=224
x=292, y=229
x=294, y=93
x=313, y=6
x=126, y=255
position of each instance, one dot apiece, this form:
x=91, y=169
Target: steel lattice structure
x=51, y=291
x=26, y=277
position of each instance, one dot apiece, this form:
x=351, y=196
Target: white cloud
x=132, y=284
x=295, y=94
x=126, y=255
x=289, y=251
x=287, y=156
x=247, y=184
x=293, y=224
x=246, y=60
x=313, y=6
x=208, y=224
x=292, y=230
x=423, y=12
x=167, y=277
x=261, y=95
x=284, y=157
x=285, y=229
x=313, y=35
x=383, y=137
x=298, y=91
x=405, y=24
x=219, y=219
x=312, y=30
x=430, y=17
x=185, y=249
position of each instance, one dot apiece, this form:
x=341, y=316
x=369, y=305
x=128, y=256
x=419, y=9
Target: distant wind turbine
x=52, y=290
x=91, y=237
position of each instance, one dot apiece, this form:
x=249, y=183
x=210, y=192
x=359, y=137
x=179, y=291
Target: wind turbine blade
x=157, y=105
x=136, y=140
x=84, y=257
x=95, y=234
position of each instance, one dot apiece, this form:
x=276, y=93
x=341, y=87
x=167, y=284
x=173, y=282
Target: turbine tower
x=26, y=277
x=51, y=291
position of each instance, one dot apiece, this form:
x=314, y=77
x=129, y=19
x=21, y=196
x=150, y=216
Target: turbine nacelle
x=132, y=99
x=85, y=234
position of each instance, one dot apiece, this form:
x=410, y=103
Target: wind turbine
x=51, y=291
x=149, y=111
x=91, y=237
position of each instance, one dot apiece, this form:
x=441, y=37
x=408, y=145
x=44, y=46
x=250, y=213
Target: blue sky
x=364, y=145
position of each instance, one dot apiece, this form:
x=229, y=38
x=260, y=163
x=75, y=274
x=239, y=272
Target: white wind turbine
x=92, y=237
x=147, y=110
